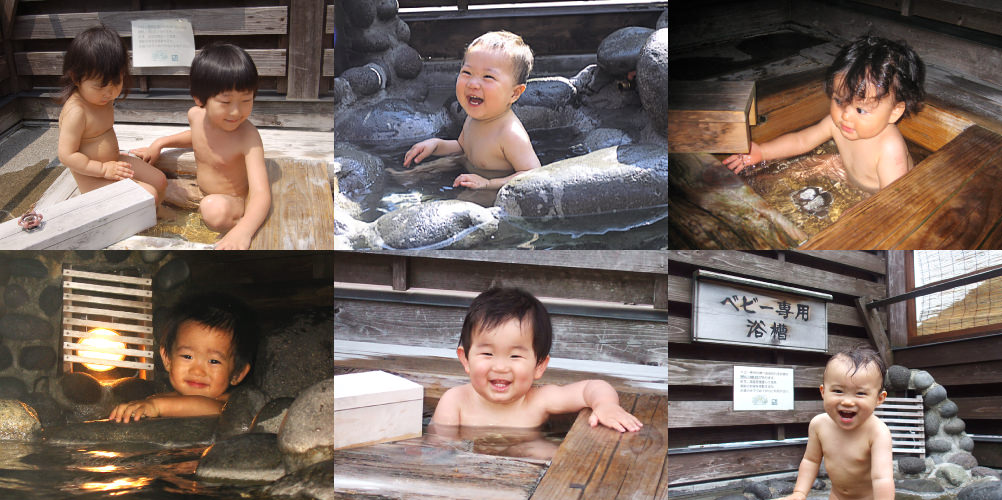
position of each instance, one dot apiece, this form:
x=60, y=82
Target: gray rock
x=991, y=490
x=963, y=459
x=307, y=434
x=152, y=256
x=269, y=419
x=356, y=173
x=954, y=426
x=297, y=356
x=449, y=224
x=609, y=189
x=938, y=445
x=780, y=487
x=980, y=471
x=132, y=389
x=932, y=423
x=246, y=458
x=244, y=403
x=30, y=268
x=966, y=443
x=15, y=296
x=934, y=395
x=37, y=357
x=364, y=80
x=919, y=485
x=171, y=275
x=386, y=9
x=315, y=481
x=952, y=473
x=733, y=496
x=406, y=62
x=51, y=299
x=652, y=79
x=551, y=93
x=374, y=40
x=921, y=380
x=590, y=79
x=948, y=409
x=602, y=138
x=759, y=490
x=898, y=377
x=116, y=256
x=48, y=410
x=911, y=465
x=341, y=91
x=402, y=31
x=18, y=422
x=389, y=120
x=663, y=20
x=618, y=53
x=169, y=432
x=25, y=327
x=361, y=13
x=12, y=388
x=80, y=388
x=6, y=359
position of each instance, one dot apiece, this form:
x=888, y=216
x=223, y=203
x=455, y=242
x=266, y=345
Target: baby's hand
x=149, y=155
x=134, y=410
x=614, y=417
x=116, y=170
x=233, y=241
x=471, y=181
x=737, y=163
x=420, y=151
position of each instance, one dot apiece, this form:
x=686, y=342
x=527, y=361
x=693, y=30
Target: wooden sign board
x=375, y=407
x=734, y=310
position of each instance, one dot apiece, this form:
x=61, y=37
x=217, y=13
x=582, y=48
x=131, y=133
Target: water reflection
x=536, y=444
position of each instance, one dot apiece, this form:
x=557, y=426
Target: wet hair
x=97, y=53
x=499, y=305
x=221, y=67
x=859, y=356
x=510, y=45
x=891, y=67
x=218, y=311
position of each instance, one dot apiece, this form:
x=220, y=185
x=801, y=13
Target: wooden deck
x=950, y=200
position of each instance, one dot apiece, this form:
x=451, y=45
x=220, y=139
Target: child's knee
x=216, y=213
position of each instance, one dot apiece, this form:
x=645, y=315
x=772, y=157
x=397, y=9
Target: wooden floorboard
x=598, y=462
x=950, y=200
x=302, y=208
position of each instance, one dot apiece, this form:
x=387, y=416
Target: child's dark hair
x=219, y=311
x=220, y=67
x=96, y=53
x=892, y=67
x=861, y=355
x=498, y=305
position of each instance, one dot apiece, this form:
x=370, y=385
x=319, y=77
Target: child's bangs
x=857, y=80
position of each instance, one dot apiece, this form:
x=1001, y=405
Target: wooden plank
x=109, y=350
x=305, y=48
x=710, y=117
x=933, y=127
x=92, y=220
x=972, y=350
x=108, y=312
x=637, y=261
x=138, y=292
x=864, y=261
x=974, y=408
x=329, y=20
x=695, y=467
x=108, y=362
x=987, y=372
x=932, y=190
x=112, y=278
x=62, y=189
x=597, y=462
x=120, y=338
x=269, y=62
x=91, y=299
x=987, y=19
x=225, y=21
x=897, y=314
x=329, y=68
x=302, y=207
x=704, y=372
x=685, y=414
x=875, y=330
x=88, y=323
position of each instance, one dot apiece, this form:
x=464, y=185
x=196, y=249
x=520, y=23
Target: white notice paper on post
x=760, y=388
x=162, y=42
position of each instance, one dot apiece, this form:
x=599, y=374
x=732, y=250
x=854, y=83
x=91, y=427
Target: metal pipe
x=528, y=9
x=938, y=287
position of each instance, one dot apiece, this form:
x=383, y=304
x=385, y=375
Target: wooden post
x=897, y=313
x=400, y=272
x=305, y=56
x=875, y=329
x=6, y=36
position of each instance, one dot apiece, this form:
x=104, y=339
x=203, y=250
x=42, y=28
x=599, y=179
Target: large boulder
x=244, y=458
x=619, y=52
x=615, y=188
x=170, y=432
x=451, y=224
x=355, y=173
x=307, y=433
x=389, y=120
x=652, y=80
x=18, y=422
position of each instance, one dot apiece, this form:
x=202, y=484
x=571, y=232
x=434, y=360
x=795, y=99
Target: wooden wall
x=701, y=375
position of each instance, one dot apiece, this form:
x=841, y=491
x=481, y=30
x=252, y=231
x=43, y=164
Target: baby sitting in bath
x=504, y=347
x=872, y=84
x=232, y=191
x=208, y=344
x=494, y=144
x=855, y=444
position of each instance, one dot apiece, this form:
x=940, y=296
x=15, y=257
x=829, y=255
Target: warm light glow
x=103, y=454
x=101, y=343
x=118, y=484
x=103, y=468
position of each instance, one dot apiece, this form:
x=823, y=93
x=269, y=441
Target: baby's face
x=850, y=399
x=863, y=118
x=201, y=362
x=92, y=91
x=501, y=363
x=227, y=110
x=486, y=87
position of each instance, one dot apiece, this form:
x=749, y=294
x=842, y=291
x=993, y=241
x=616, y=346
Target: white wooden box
x=375, y=407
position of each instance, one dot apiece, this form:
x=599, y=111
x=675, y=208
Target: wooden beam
x=695, y=467
x=302, y=207
x=688, y=414
x=988, y=407
x=306, y=30
x=897, y=313
x=875, y=330
x=225, y=21
x=269, y=62
x=703, y=372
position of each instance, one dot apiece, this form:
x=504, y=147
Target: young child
x=95, y=72
x=504, y=347
x=872, y=84
x=855, y=445
x=228, y=152
x=494, y=142
x=208, y=344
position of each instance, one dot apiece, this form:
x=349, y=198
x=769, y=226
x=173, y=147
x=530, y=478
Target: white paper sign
x=758, y=388
x=162, y=42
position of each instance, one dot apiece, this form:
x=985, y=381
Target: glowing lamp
x=105, y=347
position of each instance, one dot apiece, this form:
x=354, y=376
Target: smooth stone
x=172, y=274
x=170, y=432
x=934, y=395
x=980, y=471
x=898, y=377
x=759, y=490
x=610, y=189
x=361, y=13
x=919, y=485
x=245, y=458
x=364, y=80
x=990, y=490
x=244, y=403
x=966, y=443
x=18, y=421
x=780, y=487
x=373, y=40
x=963, y=459
x=449, y=224
x=402, y=31
x=152, y=256
x=356, y=173
x=954, y=426
x=307, y=433
x=81, y=388
x=269, y=419
x=406, y=62
x=551, y=93
x=14, y=296
x=37, y=357
x=116, y=256
x=921, y=380
x=30, y=268
x=948, y=409
x=932, y=423
x=952, y=473
x=733, y=496
x=386, y=9
x=619, y=52
x=938, y=445
x=46, y=407
x=296, y=356
x=652, y=80
x=315, y=481
x=51, y=299
x=6, y=358
x=25, y=327
x=911, y=465
x=12, y=388
x=132, y=389
x=388, y=121
x=341, y=91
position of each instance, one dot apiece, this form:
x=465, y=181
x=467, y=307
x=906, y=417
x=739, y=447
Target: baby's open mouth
x=846, y=415
x=475, y=101
x=500, y=385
